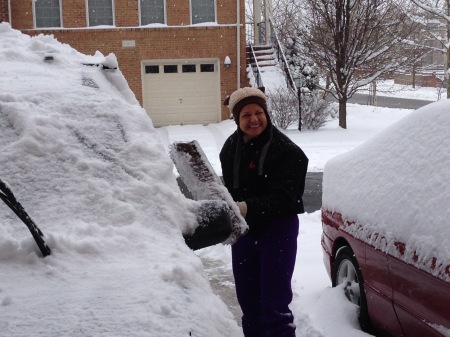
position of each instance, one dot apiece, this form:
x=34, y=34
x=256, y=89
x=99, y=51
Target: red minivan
x=386, y=226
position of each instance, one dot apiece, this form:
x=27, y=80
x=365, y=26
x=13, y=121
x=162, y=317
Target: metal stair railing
x=255, y=67
x=281, y=57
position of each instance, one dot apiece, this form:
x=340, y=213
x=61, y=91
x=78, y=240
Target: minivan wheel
x=346, y=271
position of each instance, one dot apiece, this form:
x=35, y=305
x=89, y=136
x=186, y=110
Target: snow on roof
x=397, y=184
x=84, y=160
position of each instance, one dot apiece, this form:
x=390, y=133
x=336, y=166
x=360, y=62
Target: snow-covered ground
x=87, y=164
x=319, y=309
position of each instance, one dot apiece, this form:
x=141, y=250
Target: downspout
x=267, y=19
x=9, y=13
x=238, y=39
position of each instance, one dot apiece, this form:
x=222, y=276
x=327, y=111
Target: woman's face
x=252, y=121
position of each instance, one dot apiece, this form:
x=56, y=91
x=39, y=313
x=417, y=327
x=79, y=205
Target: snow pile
x=404, y=172
x=84, y=160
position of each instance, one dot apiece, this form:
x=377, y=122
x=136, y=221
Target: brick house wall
x=4, y=17
x=421, y=80
x=177, y=40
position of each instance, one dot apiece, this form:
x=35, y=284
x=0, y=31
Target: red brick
x=176, y=41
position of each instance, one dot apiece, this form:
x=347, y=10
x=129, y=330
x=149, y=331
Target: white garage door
x=181, y=92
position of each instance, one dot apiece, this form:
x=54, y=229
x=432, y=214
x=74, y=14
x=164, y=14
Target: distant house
x=181, y=58
x=429, y=69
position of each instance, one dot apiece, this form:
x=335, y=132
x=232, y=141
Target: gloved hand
x=242, y=208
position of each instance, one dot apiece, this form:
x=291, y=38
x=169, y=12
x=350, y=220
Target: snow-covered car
x=386, y=230
x=84, y=160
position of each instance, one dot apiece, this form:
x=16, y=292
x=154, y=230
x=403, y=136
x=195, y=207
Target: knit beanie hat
x=243, y=96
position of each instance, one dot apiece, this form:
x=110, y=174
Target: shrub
x=315, y=109
x=283, y=108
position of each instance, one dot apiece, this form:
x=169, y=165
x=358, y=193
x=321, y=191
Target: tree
x=441, y=10
x=285, y=16
x=354, y=42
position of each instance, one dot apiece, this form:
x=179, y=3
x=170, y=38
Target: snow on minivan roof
x=397, y=184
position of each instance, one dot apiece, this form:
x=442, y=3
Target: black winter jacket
x=268, y=173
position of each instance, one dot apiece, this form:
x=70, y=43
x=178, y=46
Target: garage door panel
x=183, y=97
x=194, y=100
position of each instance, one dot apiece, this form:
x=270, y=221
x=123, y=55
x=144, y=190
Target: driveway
x=390, y=102
x=312, y=197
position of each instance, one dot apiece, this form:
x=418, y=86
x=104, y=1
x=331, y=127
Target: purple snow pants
x=263, y=265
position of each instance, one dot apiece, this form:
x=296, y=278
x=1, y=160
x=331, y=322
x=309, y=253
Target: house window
x=207, y=68
x=189, y=68
x=170, y=69
x=47, y=13
x=152, y=11
x=100, y=12
x=203, y=11
x=153, y=69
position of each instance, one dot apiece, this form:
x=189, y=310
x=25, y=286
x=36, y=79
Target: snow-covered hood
x=84, y=160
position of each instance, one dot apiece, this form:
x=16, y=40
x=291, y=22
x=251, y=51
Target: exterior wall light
x=227, y=62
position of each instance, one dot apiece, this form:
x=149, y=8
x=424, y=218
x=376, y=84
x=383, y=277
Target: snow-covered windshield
x=84, y=160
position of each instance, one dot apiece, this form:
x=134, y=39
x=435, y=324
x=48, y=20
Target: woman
x=265, y=173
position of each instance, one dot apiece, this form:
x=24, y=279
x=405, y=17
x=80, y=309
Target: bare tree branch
x=354, y=42
x=441, y=10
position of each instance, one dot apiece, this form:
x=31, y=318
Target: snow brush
x=203, y=183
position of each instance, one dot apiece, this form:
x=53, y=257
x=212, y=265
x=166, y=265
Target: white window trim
x=60, y=16
x=190, y=13
x=113, y=14
x=165, y=12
